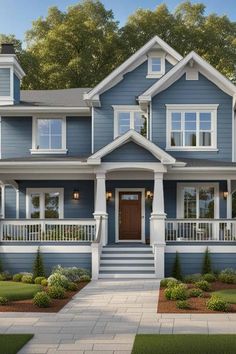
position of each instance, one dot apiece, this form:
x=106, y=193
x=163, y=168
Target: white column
x=229, y=200
x=101, y=203
x=17, y=203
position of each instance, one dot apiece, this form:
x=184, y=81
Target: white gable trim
x=132, y=135
x=179, y=69
x=92, y=97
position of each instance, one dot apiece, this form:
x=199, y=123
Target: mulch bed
x=198, y=304
x=28, y=306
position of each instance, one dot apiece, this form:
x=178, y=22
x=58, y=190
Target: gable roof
x=132, y=135
x=92, y=97
x=179, y=69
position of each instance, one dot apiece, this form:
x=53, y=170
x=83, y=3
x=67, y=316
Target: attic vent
x=7, y=48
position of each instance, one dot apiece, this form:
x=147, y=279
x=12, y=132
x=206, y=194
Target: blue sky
x=16, y=16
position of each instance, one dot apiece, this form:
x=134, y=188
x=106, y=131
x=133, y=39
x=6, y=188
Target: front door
x=130, y=216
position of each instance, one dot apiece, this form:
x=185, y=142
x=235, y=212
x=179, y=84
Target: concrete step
x=126, y=267
x=126, y=261
x=127, y=276
x=127, y=249
x=127, y=255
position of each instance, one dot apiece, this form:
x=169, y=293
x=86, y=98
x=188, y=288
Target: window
x=198, y=201
x=49, y=135
x=191, y=128
x=156, y=66
x=129, y=117
x=44, y=203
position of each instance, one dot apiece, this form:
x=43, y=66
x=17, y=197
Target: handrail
x=98, y=231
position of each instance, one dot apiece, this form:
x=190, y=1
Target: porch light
x=75, y=195
x=149, y=195
x=225, y=194
x=109, y=195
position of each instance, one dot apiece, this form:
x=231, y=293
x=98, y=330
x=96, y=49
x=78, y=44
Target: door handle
x=119, y=218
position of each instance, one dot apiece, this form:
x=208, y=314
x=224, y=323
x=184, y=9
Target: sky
x=16, y=16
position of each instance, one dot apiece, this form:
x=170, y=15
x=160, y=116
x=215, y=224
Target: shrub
x=206, y=267
x=72, y=287
x=179, y=292
x=56, y=292
x=44, y=282
x=167, y=293
x=227, y=276
x=27, y=279
x=2, y=277
x=73, y=274
x=210, y=277
x=5, y=276
x=203, y=285
x=42, y=299
x=183, y=305
x=38, y=280
x=1, y=267
x=85, y=278
x=38, y=267
x=17, y=277
x=165, y=281
x=215, y=303
x=195, y=292
x=192, y=278
x=176, y=273
x=57, y=279
x=3, y=301
x=172, y=283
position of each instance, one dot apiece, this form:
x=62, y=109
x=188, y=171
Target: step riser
x=126, y=255
x=127, y=249
x=127, y=261
x=127, y=276
x=127, y=268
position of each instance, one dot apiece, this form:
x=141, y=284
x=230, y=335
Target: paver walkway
x=104, y=318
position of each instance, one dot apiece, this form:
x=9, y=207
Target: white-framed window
x=129, y=117
x=44, y=203
x=49, y=135
x=197, y=201
x=191, y=127
x=156, y=66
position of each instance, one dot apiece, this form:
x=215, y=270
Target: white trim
x=156, y=74
x=46, y=249
x=42, y=191
x=0, y=137
x=118, y=73
x=200, y=248
x=117, y=191
x=180, y=201
x=92, y=132
x=196, y=108
x=3, y=201
x=17, y=203
x=11, y=60
x=82, y=111
x=34, y=149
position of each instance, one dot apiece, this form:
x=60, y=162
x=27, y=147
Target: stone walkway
x=104, y=318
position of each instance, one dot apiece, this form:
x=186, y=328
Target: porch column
x=157, y=224
x=101, y=203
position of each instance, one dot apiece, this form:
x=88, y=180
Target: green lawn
x=18, y=291
x=184, y=344
x=12, y=343
x=228, y=295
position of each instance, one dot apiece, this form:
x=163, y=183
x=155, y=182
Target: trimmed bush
x=167, y=293
x=206, y=267
x=44, y=282
x=38, y=267
x=179, y=292
x=183, y=305
x=57, y=279
x=28, y=279
x=56, y=292
x=195, y=292
x=42, y=299
x=192, y=278
x=72, y=287
x=73, y=274
x=38, y=280
x=210, y=277
x=164, y=282
x=1, y=267
x=5, y=276
x=3, y=301
x=203, y=285
x=17, y=277
x=85, y=278
x=176, y=273
x=227, y=276
x=172, y=283
x=2, y=277
x=215, y=303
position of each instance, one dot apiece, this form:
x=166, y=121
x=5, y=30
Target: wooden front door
x=130, y=216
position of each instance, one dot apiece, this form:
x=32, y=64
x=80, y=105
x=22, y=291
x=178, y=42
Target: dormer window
x=156, y=66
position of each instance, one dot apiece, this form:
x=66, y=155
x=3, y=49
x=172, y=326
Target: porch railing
x=192, y=230
x=65, y=230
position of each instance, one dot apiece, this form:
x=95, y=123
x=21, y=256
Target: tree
x=38, y=267
x=177, y=273
x=206, y=267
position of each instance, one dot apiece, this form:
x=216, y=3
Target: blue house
x=119, y=177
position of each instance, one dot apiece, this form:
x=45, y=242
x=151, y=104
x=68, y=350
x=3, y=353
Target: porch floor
x=127, y=244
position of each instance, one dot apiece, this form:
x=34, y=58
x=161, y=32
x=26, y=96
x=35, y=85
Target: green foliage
x=195, y=292
x=206, y=267
x=73, y=274
x=215, y=303
x=176, y=273
x=1, y=267
x=192, y=278
x=38, y=267
x=177, y=292
x=56, y=292
x=57, y=279
x=85, y=278
x=14, y=291
x=203, y=285
x=167, y=293
x=228, y=276
x=3, y=301
x=17, y=277
x=171, y=283
x=42, y=299
x=165, y=281
x=44, y=282
x=38, y=280
x=210, y=277
x=28, y=279
x=5, y=276
x=72, y=287
x=183, y=305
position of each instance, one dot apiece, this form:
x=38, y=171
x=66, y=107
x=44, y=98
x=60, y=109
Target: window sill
x=154, y=76
x=191, y=149
x=48, y=152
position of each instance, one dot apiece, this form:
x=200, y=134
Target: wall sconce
x=149, y=195
x=75, y=195
x=225, y=194
x=109, y=195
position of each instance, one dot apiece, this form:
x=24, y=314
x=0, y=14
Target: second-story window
x=129, y=117
x=49, y=135
x=156, y=66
